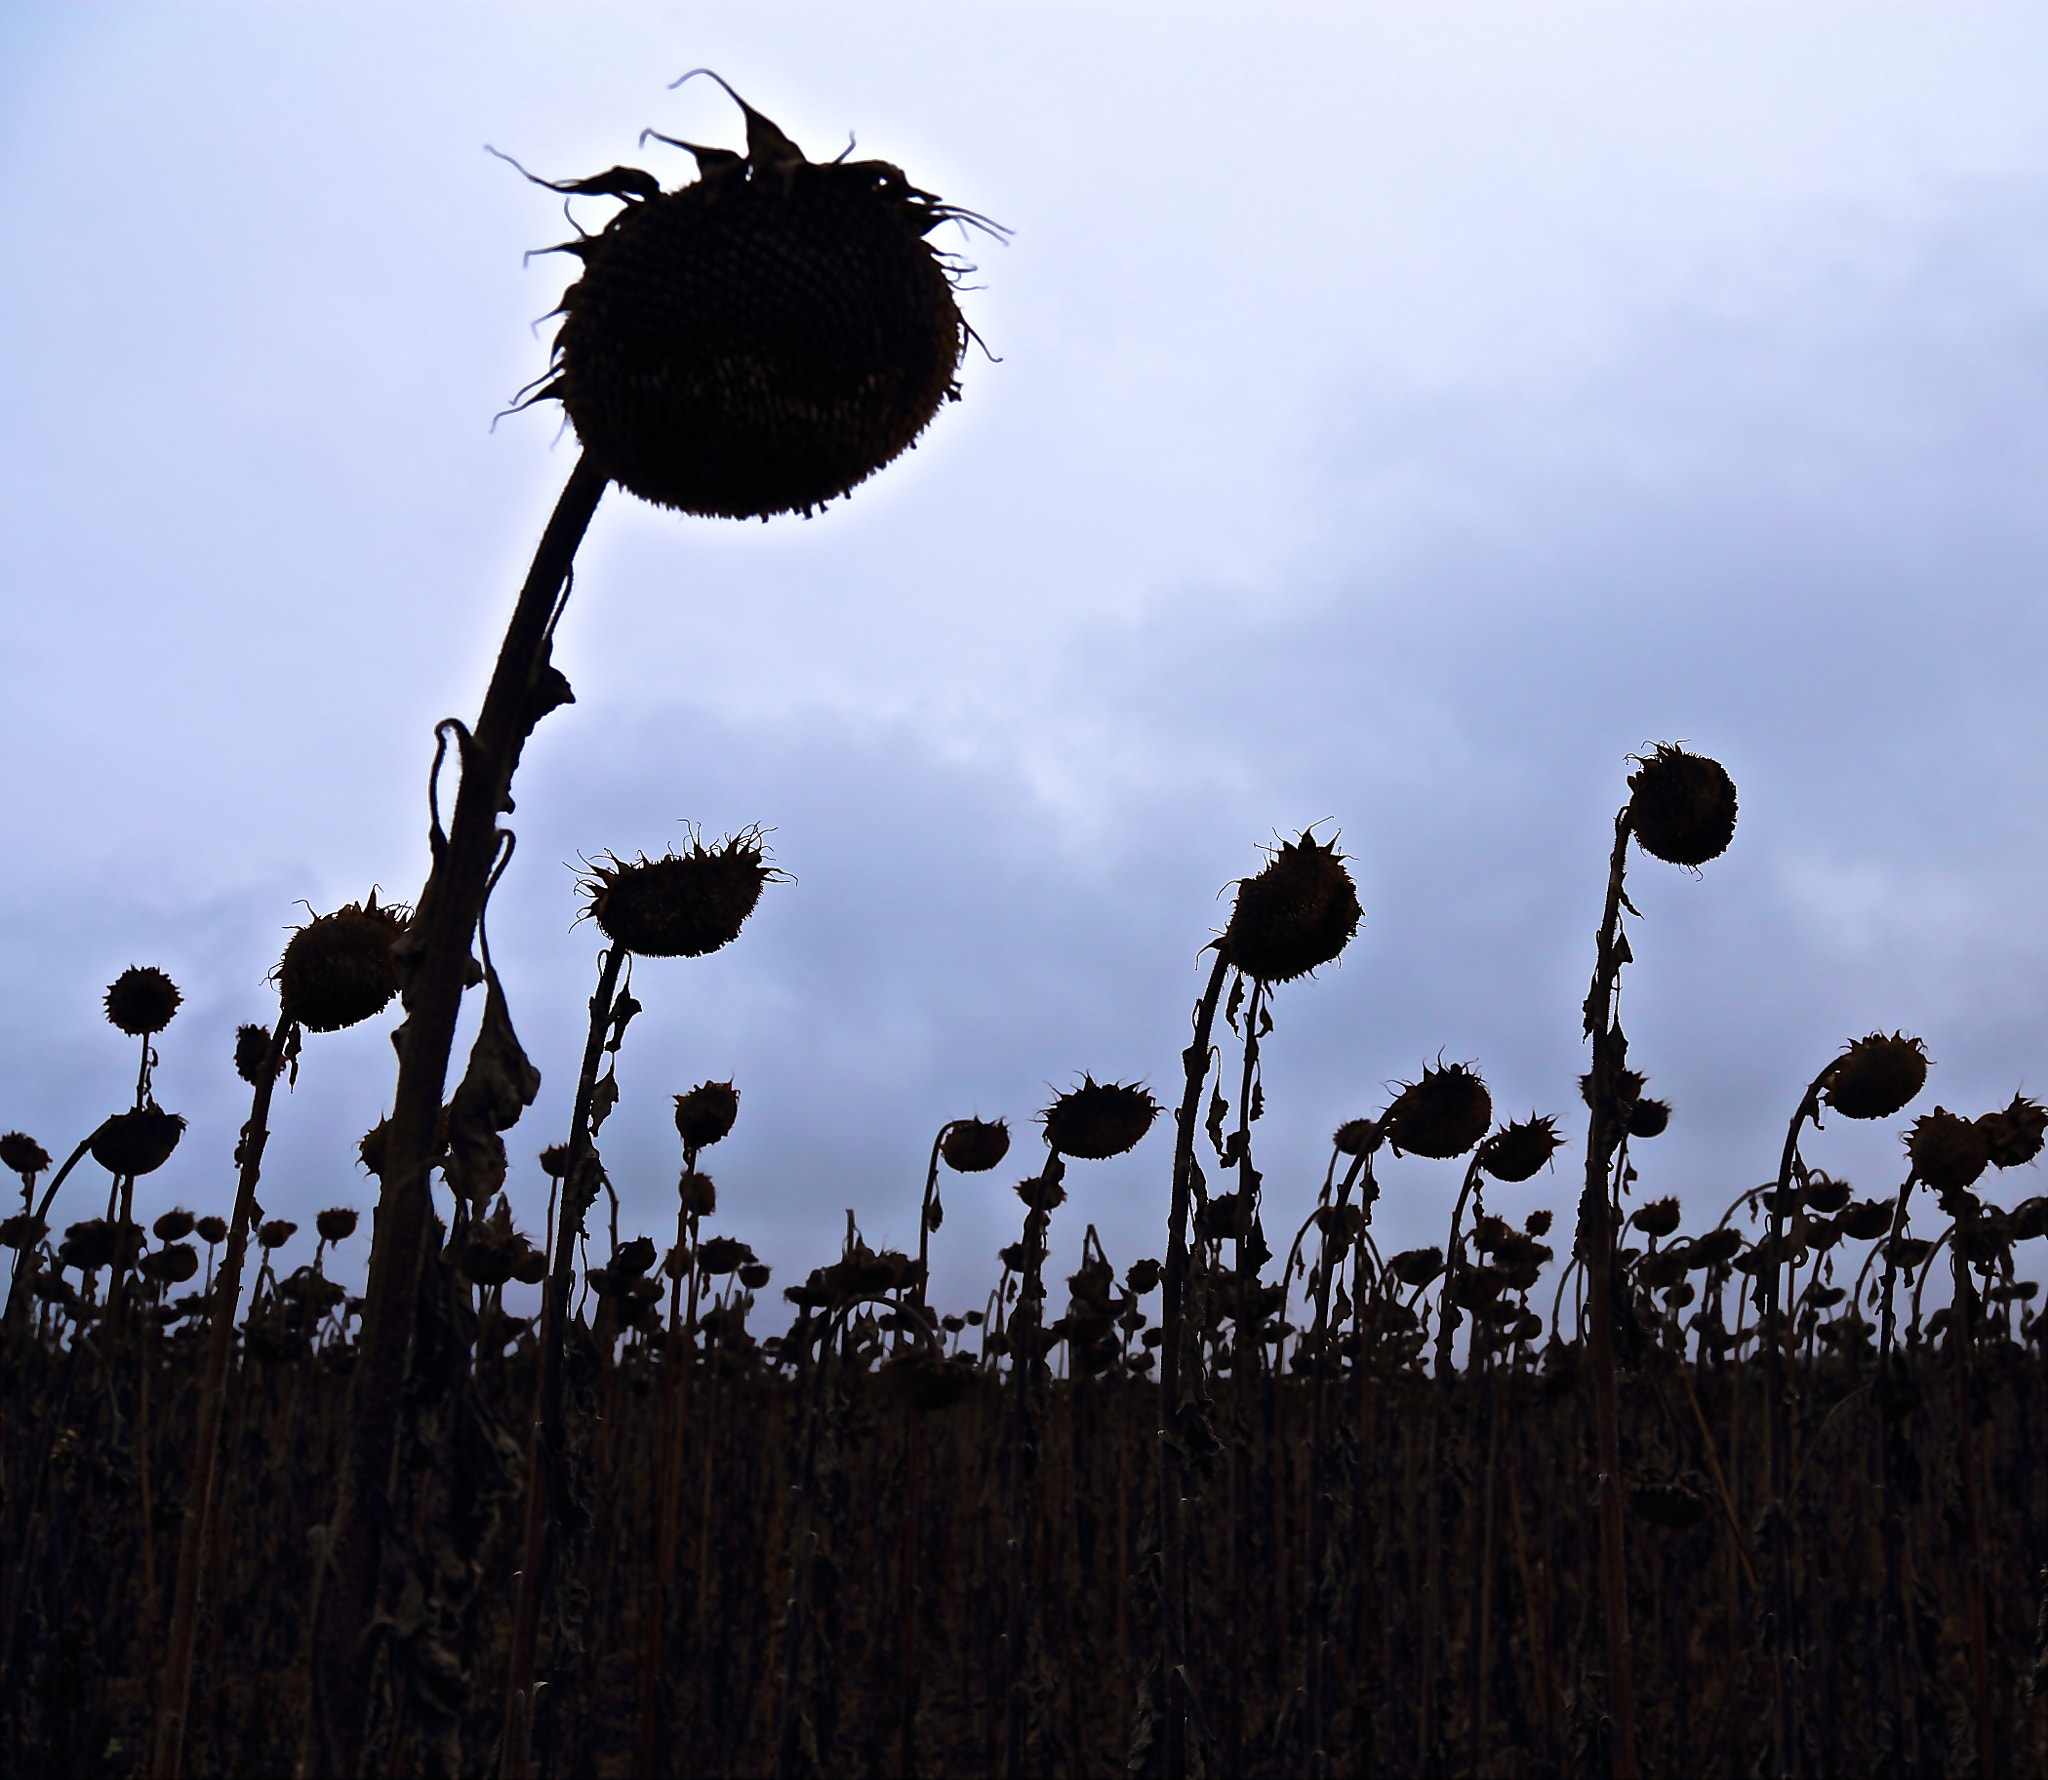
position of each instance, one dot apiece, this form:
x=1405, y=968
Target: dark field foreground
x=1461, y=1599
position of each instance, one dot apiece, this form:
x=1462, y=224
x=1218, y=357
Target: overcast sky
x=1400, y=417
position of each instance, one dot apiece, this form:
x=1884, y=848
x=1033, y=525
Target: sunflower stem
x=438, y=957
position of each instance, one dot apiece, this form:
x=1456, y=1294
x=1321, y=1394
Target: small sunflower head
x=1948, y=1153
x=1295, y=915
x=138, y=1142
x=1682, y=806
x=339, y=970
x=174, y=1225
x=252, y=1048
x=1648, y=1118
x=1876, y=1076
x=21, y=1154
x=1442, y=1115
x=1658, y=1218
x=697, y=1193
x=1516, y=1152
x=1098, y=1120
x=1356, y=1137
x=141, y=1000
x=275, y=1234
x=706, y=1113
x=974, y=1146
x=211, y=1231
x=337, y=1224
x=686, y=904
x=2013, y=1134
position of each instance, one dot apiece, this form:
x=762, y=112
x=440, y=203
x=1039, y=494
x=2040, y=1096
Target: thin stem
x=1172, y=1521
x=194, y=1535
x=546, y=1447
x=1596, y=1243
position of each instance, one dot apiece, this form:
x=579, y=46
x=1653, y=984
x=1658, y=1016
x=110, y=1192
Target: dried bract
x=1297, y=914
x=1098, y=1120
x=1681, y=806
x=141, y=1000
x=1876, y=1076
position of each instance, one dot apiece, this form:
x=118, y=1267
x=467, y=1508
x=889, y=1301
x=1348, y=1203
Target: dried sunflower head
x=706, y=1114
x=336, y=1224
x=141, y=1000
x=1516, y=1152
x=1297, y=914
x=685, y=904
x=2013, y=1135
x=339, y=970
x=1948, y=1153
x=974, y=1146
x=1442, y=1115
x=1876, y=1076
x=1681, y=806
x=138, y=1142
x=1098, y=1120
x=21, y=1154
x=763, y=339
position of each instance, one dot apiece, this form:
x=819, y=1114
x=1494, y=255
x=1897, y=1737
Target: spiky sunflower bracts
x=141, y=1000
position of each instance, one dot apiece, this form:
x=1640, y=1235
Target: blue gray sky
x=1401, y=415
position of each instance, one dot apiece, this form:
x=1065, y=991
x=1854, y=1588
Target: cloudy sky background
x=1401, y=416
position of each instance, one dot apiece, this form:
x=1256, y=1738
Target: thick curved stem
x=437, y=952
